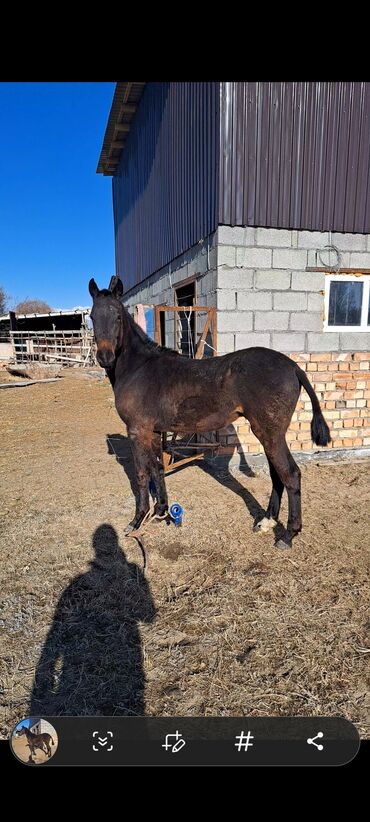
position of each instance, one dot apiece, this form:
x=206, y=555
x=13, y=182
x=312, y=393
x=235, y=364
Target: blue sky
x=56, y=218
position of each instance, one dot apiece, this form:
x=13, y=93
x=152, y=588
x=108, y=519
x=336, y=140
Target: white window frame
x=345, y=278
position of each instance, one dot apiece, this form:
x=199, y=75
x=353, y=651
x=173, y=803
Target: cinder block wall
x=265, y=297
x=199, y=261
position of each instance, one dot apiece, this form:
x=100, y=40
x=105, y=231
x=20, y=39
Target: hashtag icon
x=243, y=741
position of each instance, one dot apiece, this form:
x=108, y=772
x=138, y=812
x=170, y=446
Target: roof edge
x=126, y=99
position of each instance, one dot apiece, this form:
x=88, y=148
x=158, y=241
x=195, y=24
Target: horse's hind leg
x=290, y=475
x=141, y=444
x=161, y=506
x=273, y=508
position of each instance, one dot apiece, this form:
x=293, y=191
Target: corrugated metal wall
x=295, y=155
x=165, y=191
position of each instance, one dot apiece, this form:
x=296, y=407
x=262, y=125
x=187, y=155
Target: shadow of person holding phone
x=92, y=660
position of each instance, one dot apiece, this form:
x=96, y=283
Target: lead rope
x=136, y=534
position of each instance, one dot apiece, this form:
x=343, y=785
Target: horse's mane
x=151, y=345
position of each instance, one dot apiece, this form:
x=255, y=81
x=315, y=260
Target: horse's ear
x=93, y=288
x=116, y=287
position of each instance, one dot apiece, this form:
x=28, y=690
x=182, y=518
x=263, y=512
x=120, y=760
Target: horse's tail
x=319, y=428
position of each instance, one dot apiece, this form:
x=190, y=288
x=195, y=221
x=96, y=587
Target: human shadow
x=92, y=661
x=119, y=445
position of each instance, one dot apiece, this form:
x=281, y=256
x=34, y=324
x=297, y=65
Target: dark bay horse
x=41, y=741
x=157, y=389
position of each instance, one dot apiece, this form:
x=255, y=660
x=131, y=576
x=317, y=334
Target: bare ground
x=221, y=623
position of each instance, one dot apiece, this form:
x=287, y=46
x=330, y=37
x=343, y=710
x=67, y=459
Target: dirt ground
x=221, y=623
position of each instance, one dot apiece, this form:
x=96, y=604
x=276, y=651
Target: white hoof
x=264, y=526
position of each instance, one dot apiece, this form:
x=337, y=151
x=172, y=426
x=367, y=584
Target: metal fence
x=66, y=348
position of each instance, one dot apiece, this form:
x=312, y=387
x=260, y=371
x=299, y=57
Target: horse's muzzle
x=105, y=357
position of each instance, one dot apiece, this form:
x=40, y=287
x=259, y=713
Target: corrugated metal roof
x=125, y=101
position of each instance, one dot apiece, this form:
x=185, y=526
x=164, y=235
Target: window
x=347, y=306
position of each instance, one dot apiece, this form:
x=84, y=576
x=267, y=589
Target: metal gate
x=206, y=345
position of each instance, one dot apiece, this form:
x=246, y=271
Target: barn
x=249, y=203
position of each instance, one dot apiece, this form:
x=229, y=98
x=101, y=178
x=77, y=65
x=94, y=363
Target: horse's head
x=21, y=731
x=107, y=318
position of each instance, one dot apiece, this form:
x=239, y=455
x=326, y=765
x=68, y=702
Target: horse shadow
x=119, y=445
x=92, y=661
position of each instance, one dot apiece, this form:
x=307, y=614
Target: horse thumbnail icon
x=102, y=740
x=311, y=741
x=175, y=746
x=34, y=741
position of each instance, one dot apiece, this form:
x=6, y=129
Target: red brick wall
x=342, y=384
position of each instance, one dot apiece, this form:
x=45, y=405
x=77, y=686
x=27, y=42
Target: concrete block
x=271, y=320
x=158, y=286
x=290, y=301
x=323, y=342
x=233, y=321
x=289, y=258
x=236, y=235
x=349, y=242
x=225, y=343
x=254, y=300
x=288, y=342
x=234, y=278
x=306, y=321
x=308, y=281
x=226, y=255
x=272, y=237
x=294, y=238
x=207, y=283
x=251, y=340
x=359, y=260
x=315, y=302
x=268, y=280
x=226, y=299
x=178, y=276
x=212, y=257
x=313, y=239
x=198, y=264
x=354, y=341
x=253, y=257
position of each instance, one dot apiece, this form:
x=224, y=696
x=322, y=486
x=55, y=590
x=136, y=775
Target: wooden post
x=157, y=325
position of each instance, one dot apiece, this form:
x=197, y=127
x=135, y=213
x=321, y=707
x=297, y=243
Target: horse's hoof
x=264, y=526
x=281, y=544
x=128, y=530
x=160, y=510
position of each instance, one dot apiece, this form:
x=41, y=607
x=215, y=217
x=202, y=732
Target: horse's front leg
x=161, y=506
x=141, y=445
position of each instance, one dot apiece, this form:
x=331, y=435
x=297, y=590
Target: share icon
x=310, y=741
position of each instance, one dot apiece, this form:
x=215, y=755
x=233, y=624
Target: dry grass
x=222, y=623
